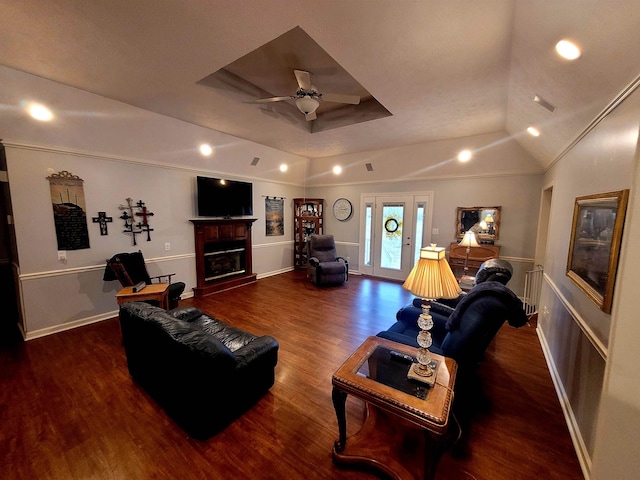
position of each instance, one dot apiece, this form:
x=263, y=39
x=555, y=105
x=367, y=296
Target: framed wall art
x=596, y=235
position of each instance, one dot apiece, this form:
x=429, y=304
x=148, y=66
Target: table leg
x=339, y=404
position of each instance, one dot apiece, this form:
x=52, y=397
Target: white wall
x=576, y=335
x=120, y=151
x=519, y=196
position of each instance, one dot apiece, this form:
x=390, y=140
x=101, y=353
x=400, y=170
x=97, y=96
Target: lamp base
x=418, y=377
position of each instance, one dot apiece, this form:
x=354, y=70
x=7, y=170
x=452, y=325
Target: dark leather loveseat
x=201, y=371
x=464, y=327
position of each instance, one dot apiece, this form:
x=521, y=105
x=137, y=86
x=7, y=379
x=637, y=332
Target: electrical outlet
x=62, y=255
x=167, y=246
x=435, y=231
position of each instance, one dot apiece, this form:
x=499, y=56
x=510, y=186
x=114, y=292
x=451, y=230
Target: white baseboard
x=69, y=325
x=574, y=430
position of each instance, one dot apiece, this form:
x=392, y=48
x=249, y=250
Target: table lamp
x=469, y=240
x=431, y=278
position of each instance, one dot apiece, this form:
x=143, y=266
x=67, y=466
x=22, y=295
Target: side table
x=407, y=425
x=157, y=291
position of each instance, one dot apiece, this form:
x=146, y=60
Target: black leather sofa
x=201, y=371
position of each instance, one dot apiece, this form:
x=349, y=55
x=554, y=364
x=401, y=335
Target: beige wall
x=578, y=338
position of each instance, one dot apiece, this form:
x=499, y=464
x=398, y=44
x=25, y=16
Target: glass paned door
x=393, y=229
x=393, y=232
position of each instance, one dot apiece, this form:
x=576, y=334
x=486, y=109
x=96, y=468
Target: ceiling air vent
x=541, y=101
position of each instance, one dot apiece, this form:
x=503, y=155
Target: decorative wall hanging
x=274, y=216
x=130, y=217
x=67, y=198
x=102, y=219
x=596, y=236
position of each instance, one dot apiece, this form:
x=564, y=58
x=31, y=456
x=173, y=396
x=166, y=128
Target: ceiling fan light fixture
x=307, y=104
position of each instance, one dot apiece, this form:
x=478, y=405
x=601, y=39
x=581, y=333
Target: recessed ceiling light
x=40, y=112
x=567, y=49
x=464, y=155
x=337, y=170
x=206, y=150
x=533, y=131
x=283, y=167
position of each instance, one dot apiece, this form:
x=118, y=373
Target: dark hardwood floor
x=69, y=410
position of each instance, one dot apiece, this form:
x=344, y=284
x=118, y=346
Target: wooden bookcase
x=307, y=219
x=223, y=254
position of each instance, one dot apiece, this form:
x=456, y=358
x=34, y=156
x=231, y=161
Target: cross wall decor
x=132, y=226
x=102, y=219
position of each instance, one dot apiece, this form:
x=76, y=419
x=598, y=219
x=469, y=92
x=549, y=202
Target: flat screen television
x=218, y=197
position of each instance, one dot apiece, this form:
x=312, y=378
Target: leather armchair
x=201, y=371
x=324, y=267
x=464, y=327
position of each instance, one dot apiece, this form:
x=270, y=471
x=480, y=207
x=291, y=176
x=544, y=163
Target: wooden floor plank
x=69, y=410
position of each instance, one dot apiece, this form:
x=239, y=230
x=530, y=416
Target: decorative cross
x=102, y=219
x=128, y=218
x=144, y=213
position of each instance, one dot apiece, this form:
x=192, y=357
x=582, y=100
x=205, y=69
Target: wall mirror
x=484, y=221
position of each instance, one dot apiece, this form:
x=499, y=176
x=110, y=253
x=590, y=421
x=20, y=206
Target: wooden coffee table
x=407, y=425
x=157, y=291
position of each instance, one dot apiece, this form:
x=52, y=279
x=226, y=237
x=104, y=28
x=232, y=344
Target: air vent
x=255, y=161
x=369, y=167
x=541, y=101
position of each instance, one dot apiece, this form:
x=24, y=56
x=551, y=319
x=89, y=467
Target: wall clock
x=342, y=209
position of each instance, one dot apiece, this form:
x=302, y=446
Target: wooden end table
x=407, y=425
x=157, y=291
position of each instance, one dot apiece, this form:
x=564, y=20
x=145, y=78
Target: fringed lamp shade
x=430, y=278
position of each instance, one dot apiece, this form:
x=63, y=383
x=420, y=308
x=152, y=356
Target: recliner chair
x=130, y=269
x=463, y=328
x=324, y=267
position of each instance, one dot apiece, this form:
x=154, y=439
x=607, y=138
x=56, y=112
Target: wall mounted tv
x=218, y=197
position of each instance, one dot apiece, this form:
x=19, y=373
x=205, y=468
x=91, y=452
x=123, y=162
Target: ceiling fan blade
x=304, y=79
x=272, y=99
x=339, y=98
x=310, y=116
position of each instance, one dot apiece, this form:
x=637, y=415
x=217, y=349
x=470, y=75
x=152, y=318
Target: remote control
x=138, y=286
x=401, y=357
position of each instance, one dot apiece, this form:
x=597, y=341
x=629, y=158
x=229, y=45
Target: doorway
x=393, y=229
x=9, y=332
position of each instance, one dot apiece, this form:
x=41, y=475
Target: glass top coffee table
x=407, y=425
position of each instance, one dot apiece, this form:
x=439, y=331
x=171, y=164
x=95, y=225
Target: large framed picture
x=596, y=234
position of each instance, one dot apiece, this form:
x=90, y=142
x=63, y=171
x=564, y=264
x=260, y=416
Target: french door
x=393, y=229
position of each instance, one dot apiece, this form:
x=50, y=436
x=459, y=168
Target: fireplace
x=224, y=261
x=223, y=254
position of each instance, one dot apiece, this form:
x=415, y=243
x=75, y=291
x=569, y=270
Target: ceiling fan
x=307, y=97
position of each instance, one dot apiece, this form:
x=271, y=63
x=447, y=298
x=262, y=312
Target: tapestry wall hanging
x=596, y=235
x=67, y=198
x=274, y=216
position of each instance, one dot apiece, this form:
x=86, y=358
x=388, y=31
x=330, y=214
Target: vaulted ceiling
x=442, y=69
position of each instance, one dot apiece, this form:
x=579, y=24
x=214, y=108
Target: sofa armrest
x=252, y=351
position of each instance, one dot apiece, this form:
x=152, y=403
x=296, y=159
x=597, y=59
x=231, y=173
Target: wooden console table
x=407, y=425
x=216, y=237
x=477, y=256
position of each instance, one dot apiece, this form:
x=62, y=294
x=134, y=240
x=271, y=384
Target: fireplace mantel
x=216, y=238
